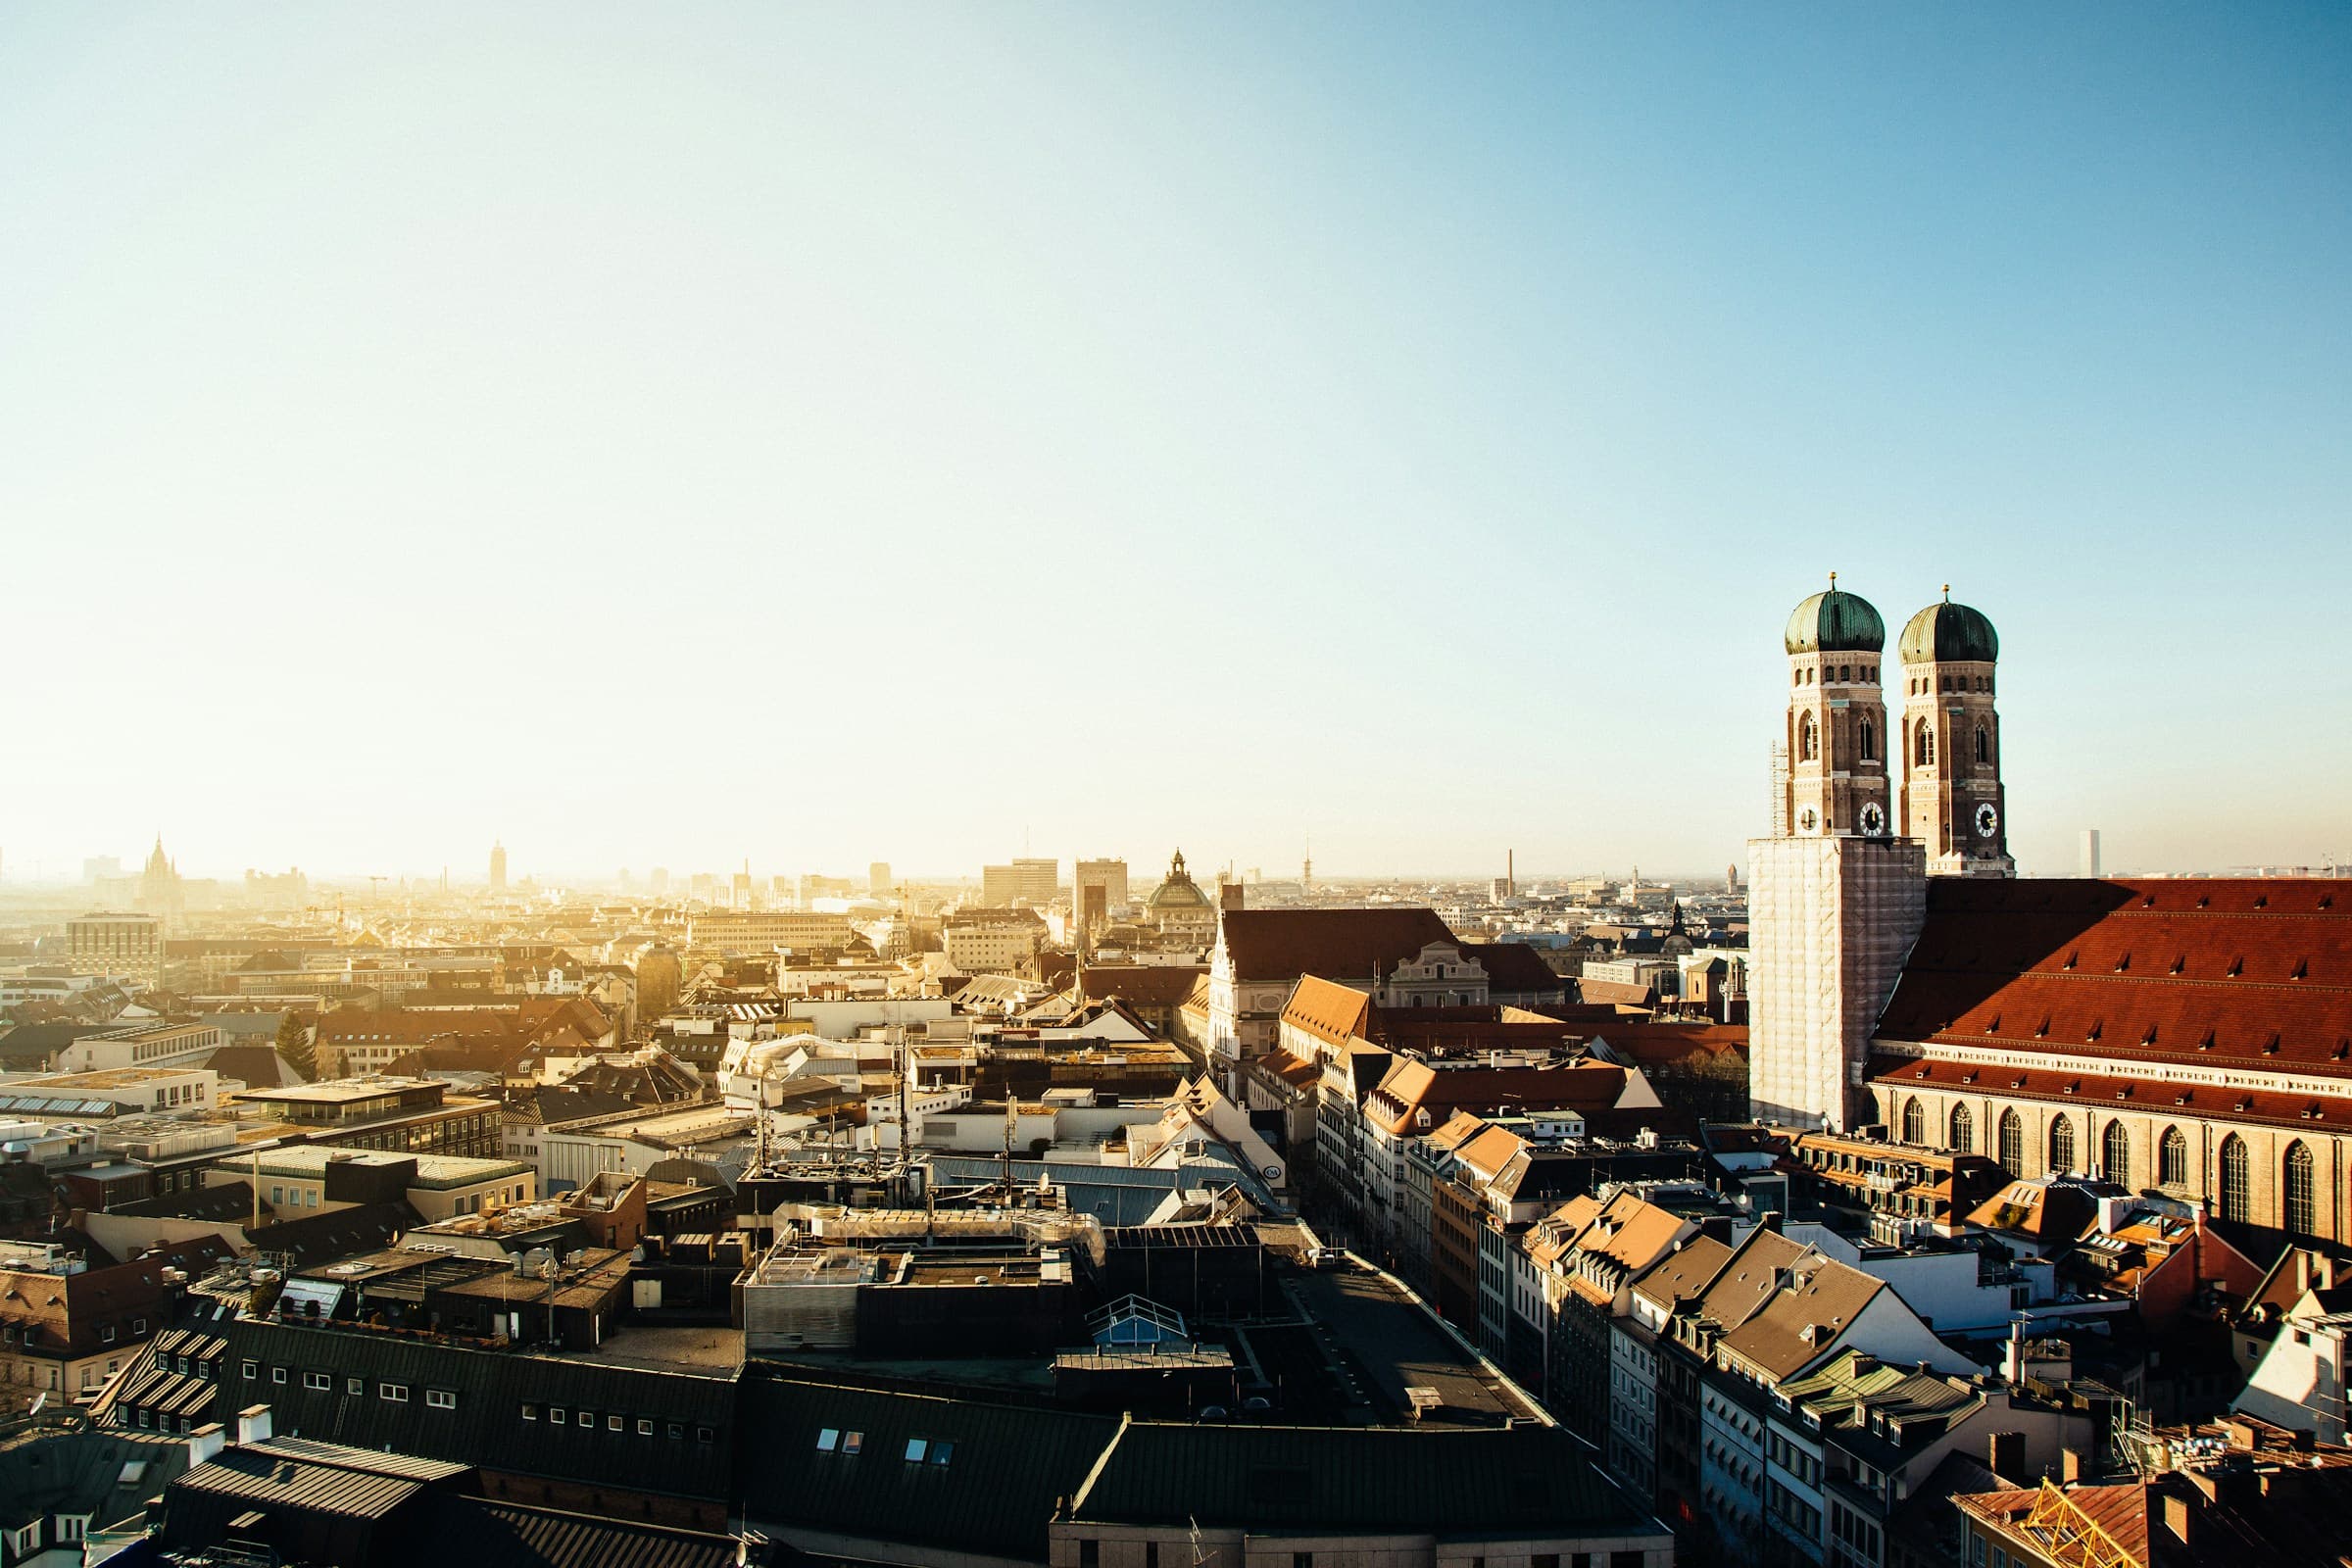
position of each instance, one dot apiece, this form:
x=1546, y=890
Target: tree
x=294, y=1045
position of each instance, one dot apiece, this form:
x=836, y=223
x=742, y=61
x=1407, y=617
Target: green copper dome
x=1836, y=623
x=1948, y=633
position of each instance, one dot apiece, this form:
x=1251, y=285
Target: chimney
x=2302, y=1271
x=252, y=1425
x=2005, y=1456
x=205, y=1443
x=2072, y=1466
x=2178, y=1517
x=1771, y=1221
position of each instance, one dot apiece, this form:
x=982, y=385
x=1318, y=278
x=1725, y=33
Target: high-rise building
x=1098, y=891
x=127, y=945
x=739, y=889
x=2088, y=865
x=1834, y=899
x=658, y=880
x=1039, y=881
x=498, y=867
x=877, y=879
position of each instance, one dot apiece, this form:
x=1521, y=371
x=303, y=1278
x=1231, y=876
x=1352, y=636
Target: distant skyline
x=825, y=435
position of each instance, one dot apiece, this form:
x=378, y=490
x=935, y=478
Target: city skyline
x=439, y=425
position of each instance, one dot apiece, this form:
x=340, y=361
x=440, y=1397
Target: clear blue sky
x=670, y=435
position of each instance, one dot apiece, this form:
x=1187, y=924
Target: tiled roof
x=2249, y=971
x=1687, y=1271
x=1514, y=967
x=1412, y=1087
x=1146, y=985
x=1330, y=1011
x=1344, y=944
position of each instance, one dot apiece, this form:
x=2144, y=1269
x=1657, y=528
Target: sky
x=827, y=433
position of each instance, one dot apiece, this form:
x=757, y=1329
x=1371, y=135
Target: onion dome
x=1835, y=621
x=1949, y=633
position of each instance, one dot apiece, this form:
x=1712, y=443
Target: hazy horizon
x=822, y=434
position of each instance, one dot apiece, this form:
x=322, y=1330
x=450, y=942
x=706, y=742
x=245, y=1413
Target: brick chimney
x=2005, y=1455
x=252, y=1425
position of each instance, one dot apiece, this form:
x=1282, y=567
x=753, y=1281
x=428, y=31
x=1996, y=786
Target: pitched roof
x=1004, y=1467
x=1413, y=1087
x=2248, y=971
x=1684, y=1273
x=1525, y=1479
x=1343, y=944
x=1804, y=1317
x=1514, y=967
x=1328, y=1011
x=1144, y=985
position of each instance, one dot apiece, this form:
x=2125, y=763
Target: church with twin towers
x=1838, y=892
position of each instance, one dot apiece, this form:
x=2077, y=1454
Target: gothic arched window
x=2062, y=1145
x=2115, y=1155
x=1923, y=750
x=2012, y=1144
x=1869, y=738
x=2238, y=1186
x=1983, y=744
x=1808, y=739
x=1964, y=1131
x=2301, y=1190
x=2171, y=1159
x=1914, y=1122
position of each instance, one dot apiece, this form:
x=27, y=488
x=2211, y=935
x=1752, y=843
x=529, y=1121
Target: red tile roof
x=2244, y=971
x=1339, y=944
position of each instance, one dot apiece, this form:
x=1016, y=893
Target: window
x=355, y=1387
x=317, y=1382
x=917, y=1448
x=277, y=1374
x=1922, y=746
x=396, y=1393
x=555, y=1415
x=2237, y=1193
x=1868, y=740
x=1808, y=739
x=1964, y=1130
x=705, y=1436
x=1983, y=744
x=617, y=1423
x=2115, y=1155
x=677, y=1430
x=2012, y=1144
x=1914, y=1122
x=440, y=1399
x=942, y=1453
x=1089, y=1554
x=1302, y=1559
x=2301, y=1190
x=530, y=1412
x=644, y=1427
x=2062, y=1145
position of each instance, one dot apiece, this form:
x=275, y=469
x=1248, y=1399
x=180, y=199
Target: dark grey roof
x=491, y=1386
x=482, y=1533
x=339, y=1233
x=1501, y=1483
x=1007, y=1467
x=314, y=1477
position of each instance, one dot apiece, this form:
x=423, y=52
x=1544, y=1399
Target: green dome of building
x=1949, y=633
x=1836, y=623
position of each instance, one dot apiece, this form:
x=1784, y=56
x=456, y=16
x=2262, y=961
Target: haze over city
x=793, y=437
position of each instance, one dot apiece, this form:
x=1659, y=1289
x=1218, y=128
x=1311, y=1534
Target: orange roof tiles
x=1328, y=1011
x=2252, y=970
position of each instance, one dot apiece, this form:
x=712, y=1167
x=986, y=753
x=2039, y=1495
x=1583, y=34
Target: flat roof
x=339, y=1091
x=101, y=1078
x=311, y=1160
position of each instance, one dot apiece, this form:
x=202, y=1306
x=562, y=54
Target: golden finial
x=1832, y=580
x=1948, y=592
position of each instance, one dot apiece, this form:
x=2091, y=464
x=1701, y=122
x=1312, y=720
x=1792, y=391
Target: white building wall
x=1832, y=920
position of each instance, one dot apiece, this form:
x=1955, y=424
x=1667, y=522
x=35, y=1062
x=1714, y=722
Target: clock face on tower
x=1806, y=819
x=1873, y=818
x=1988, y=820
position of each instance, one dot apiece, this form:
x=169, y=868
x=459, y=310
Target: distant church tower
x=497, y=866
x=1952, y=801
x=1834, y=899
